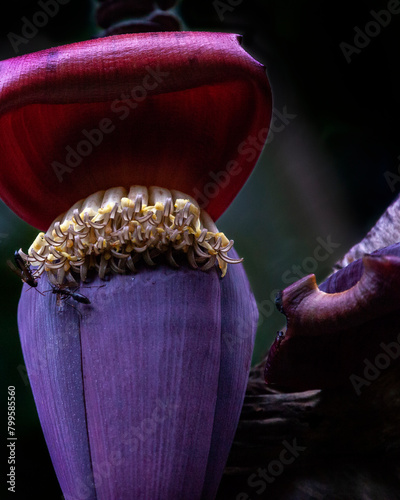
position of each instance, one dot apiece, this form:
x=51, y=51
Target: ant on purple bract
x=66, y=293
x=22, y=270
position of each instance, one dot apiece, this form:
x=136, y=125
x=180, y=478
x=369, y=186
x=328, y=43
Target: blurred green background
x=321, y=176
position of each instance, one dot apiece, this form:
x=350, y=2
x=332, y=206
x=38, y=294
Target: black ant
x=78, y=297
x=22, y=270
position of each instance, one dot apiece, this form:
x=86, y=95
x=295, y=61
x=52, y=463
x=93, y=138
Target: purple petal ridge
x=345, y=278
x=151, y=371
x=239, y=323
x=51, y=346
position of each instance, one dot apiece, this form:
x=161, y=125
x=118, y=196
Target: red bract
x=182, y=110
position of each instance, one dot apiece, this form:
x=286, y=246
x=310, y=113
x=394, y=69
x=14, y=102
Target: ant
x=22, y=270
x=78, y=297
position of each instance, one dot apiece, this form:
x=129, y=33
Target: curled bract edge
x=336, y=331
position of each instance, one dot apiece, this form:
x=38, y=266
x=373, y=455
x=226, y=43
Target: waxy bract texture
x=139, y=393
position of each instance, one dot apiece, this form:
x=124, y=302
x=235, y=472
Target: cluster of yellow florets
x=111, y=231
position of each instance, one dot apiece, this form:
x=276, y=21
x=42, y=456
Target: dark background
x=322, y=175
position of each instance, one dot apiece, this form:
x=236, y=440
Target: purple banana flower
x=138, y=338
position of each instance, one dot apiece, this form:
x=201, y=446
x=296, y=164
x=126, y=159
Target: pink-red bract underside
x=173, y=109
